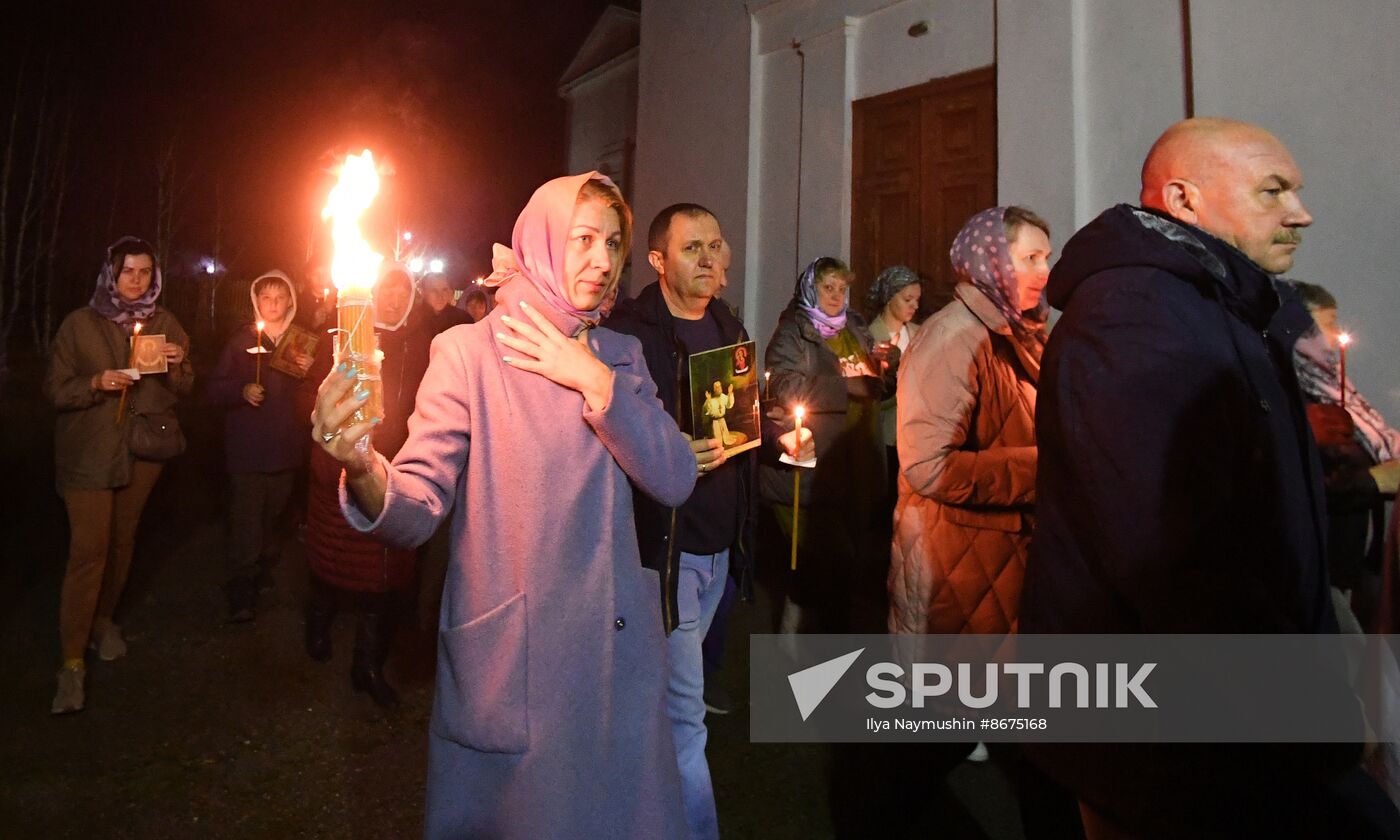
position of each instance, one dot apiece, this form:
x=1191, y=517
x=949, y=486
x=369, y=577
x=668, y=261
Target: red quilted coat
x=967, y=459
x=335, y=552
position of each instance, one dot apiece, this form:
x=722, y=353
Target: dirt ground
x=207, y=729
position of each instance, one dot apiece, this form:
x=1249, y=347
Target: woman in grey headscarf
x=893, y=301
x=104, y=486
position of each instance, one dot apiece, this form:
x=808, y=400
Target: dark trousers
x=257, y=502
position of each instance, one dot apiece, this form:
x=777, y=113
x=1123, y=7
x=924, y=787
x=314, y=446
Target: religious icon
x=148, y=354
x=294, y=342
x=724, y=397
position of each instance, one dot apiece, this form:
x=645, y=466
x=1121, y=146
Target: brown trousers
x=102, y=524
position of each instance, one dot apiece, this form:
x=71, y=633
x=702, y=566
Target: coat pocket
x=1010, y=521
x=482, y=688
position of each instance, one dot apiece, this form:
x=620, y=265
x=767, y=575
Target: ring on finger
x=327, y=437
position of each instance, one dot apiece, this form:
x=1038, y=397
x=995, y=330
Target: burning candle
x=353, y=269
x=796, y=481
x=257, y=357
x=767, y=375
x=1342, y=341
x=130, y=363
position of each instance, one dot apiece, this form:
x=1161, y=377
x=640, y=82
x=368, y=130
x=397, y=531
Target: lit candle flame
x=136, y=330
x=799, y=413
x=261, y=324
x=1344, y=339
x=355, y=264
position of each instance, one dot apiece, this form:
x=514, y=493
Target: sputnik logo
x=811, y=685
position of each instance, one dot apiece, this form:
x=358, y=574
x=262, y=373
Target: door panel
x=924, y=161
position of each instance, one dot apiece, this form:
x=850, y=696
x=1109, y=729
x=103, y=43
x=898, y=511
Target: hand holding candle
x=354, y=267
x=130, y=363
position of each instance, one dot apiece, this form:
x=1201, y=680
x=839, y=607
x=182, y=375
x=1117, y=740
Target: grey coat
x=549, y=718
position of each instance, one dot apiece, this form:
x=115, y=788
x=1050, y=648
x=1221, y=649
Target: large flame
x=355, y=264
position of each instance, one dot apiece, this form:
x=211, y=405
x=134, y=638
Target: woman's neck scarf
x=275, y=330
x=1319, y=376
x=110, y=304
x=537, y=251
x=806, y=297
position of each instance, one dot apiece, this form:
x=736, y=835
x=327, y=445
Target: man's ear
x=658, y=262
x=1181, y=199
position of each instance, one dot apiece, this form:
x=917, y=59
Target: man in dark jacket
x=697, y=546
x=1179, y=489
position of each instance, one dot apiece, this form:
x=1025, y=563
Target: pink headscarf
x=538, y=243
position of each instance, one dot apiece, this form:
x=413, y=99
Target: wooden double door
x=924, y=160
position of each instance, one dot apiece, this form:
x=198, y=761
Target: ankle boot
x=372, y=637
x=320, y=613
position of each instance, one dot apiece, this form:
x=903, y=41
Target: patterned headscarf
x=888, y=284
x=806, y=296
x=1319, y=377
x=982, y=256
x=110, y=304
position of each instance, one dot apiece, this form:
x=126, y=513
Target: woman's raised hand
x=336, y=400
x=547, y=351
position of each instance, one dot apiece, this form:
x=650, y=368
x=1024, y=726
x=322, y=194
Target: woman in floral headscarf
x=822, y=357
x=104, y=486
x=535, y=427
x=967, y=435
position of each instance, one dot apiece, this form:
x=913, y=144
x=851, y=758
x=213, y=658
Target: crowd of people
x=1178, y=454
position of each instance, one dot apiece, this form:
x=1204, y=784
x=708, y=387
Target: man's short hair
x=661, y=225
x=1313, y=295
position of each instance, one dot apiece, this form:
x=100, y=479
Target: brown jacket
x=967, y=479
x=90, y=448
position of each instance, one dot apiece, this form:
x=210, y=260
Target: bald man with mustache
x=1178, y=487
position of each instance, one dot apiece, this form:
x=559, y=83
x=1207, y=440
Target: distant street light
x=415, y=265
x=436, y=266
x=408, y=236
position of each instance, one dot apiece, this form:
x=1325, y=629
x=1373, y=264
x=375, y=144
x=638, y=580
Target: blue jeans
x=701, y=585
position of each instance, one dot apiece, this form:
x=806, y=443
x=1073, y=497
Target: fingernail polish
x=376, y=421
x=509, y=359
x=343, y=367
x=349, y=373
x=524, y=305
x=500, y=335
x=361, y=394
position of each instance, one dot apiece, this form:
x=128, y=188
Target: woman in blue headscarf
x=822, y=357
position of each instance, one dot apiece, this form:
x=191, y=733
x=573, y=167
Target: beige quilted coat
x=967, y=479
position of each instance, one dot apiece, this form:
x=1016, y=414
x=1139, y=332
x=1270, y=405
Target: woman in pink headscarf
x=549, y=718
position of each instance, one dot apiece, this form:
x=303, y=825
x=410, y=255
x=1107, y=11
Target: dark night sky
x=261, y=98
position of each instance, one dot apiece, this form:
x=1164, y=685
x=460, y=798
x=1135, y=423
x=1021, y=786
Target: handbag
x=155, y=436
